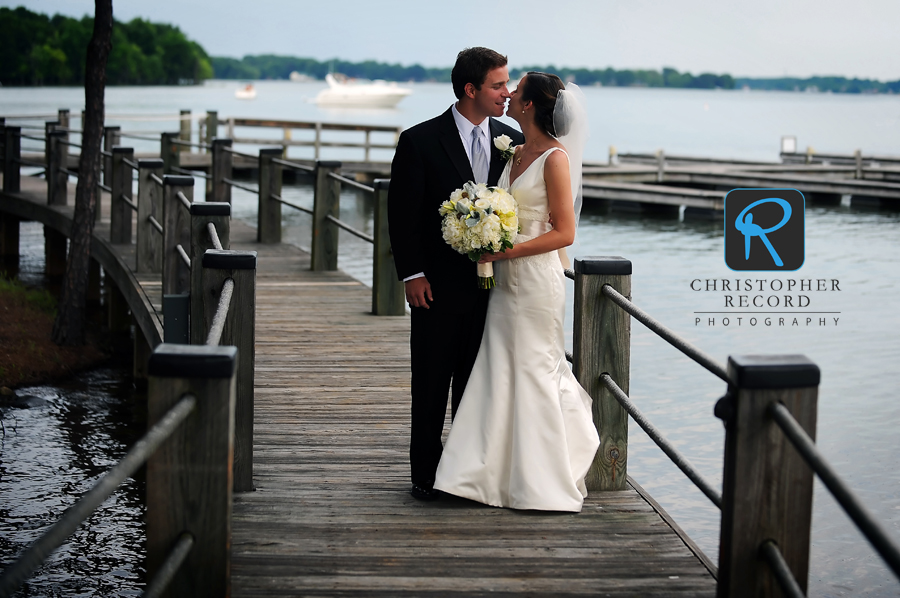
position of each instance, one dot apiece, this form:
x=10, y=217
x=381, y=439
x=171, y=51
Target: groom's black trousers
x=443, y=345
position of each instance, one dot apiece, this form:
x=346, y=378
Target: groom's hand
x=418, y=292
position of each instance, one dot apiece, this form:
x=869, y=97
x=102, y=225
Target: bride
x=523, y=436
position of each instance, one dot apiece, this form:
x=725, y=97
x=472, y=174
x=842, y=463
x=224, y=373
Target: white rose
x=502, y=142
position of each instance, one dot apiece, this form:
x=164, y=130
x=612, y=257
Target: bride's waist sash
x=536, y=228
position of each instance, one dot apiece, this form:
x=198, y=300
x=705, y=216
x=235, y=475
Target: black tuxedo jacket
x=429, y=164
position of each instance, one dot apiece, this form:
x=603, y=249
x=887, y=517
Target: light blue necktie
x=479, y=158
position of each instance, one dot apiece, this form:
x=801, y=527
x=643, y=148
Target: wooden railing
x=769, y=410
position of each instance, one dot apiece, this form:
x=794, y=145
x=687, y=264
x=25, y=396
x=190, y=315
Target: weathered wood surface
x=331, y=514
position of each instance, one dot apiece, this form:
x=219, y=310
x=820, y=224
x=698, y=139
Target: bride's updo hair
x=541, y=89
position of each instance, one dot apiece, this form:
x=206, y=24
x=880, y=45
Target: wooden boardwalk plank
x=331, y=514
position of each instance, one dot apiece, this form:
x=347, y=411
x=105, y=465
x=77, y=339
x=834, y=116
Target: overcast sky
x=758, y=39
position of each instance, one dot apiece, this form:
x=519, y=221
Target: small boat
x=343, y=92
x=248, y=92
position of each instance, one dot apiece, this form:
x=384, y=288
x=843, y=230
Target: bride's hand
x=493, y=257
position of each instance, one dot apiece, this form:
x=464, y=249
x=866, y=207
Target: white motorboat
x=248, y=92
x=343, y=92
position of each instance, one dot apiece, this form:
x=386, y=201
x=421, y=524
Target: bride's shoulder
x=557, y=156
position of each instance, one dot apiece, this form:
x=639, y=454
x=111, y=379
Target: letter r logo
x=764, y=229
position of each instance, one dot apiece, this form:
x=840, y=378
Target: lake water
x=858, y=355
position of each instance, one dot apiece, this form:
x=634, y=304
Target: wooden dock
x=331, y=514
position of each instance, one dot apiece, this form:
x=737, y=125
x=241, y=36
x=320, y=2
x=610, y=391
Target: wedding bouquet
x=477, y=220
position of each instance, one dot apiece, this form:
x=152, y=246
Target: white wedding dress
x=523, y=436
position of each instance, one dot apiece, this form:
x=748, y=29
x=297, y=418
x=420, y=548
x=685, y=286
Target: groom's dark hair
x=472, y=66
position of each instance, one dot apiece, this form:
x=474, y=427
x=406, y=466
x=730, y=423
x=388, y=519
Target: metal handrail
x=69, y=143
x=214, y=235
x=218, y=323
x=351, y=182
x=130, y=203
x=170, y=566
x=184, y=255
x=294, y=165
x=667, y=335
x=32, y=137
x=569, y=273
x=198, y=173
x=155, y=178
x=855, y=509
x=240, y=186
x=75, y=174
x=289, y=204
x=184, y=200
x=106, y=153
x=34, y=556
x=351, y=230
x=22, y=162
x=134, y=165
x=237, y=153
x=155, y=224
x=772, y=555
x=656, y=436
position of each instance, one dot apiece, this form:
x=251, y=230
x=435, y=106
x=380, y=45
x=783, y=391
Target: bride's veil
x=571, y=124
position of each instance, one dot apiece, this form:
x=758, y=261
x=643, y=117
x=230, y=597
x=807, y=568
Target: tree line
x=268, y=66
x=36, y=49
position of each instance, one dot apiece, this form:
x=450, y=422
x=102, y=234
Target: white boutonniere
x=504, y=144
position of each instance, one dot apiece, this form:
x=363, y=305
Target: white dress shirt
x=465, y=126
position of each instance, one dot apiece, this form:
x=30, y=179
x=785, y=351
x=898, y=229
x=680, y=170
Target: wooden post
x=12, y=153
x=240, y=331
x=217, y=189
x=767, y=487
x=602, y=343
x=184, y=132
x=176, y=231
x=94, y=291
x=318, y=140
x=62, y=117
x=120, y=213
x=168, y=152
x=660, y=165
x=112, y=136
x=212, y=127
x=189, y=477
x=327, y=198
x=368, y=143
x=149, y=240
x=388, y=292
x=268, y=229
x=142, y=352
x=49, y=126
x=857, y=155
x=203, y=213
x=57, y=181
x=55, y=247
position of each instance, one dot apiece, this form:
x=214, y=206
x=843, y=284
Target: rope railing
x=855, y=509
x=128, y=201
x=158, y=585
x=184, y=200
x=772, y=555
x=656, y=436
x=293, y=165
x=218, y=322
x=214, y=235
x=189, y=172
x=184, y=256
x=155, y=224
x=667, y=335
x=234, y=183
x=351, y=182
x=279, y=199
x=350, y=229
x=35, y=555
x=178, y=141
x=237, y=153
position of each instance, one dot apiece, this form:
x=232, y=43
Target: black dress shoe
x=423, y=493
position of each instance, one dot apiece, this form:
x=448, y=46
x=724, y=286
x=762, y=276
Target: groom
x=433, y=159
